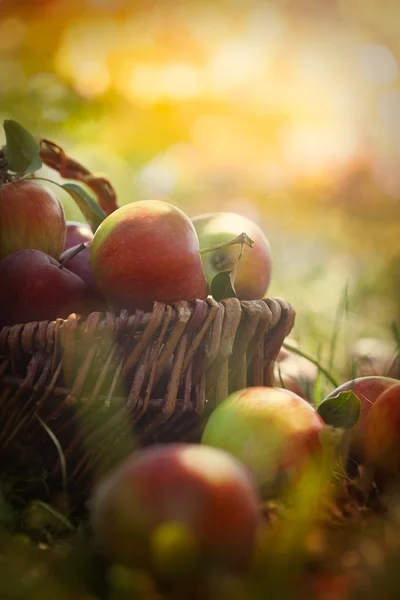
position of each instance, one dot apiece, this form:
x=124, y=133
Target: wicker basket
x=86, y=390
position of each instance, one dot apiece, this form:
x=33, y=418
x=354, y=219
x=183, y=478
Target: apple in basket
x=147, y=251
x=77, y=260
x=254, y=269
x=367, y=389
x=173, y=507
x=272, y=430
x=31, y=216
x=77, y=233
x=36, y=288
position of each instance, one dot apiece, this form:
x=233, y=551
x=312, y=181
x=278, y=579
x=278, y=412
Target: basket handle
x=56, y=158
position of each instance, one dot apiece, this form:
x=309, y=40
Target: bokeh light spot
x=377, y=64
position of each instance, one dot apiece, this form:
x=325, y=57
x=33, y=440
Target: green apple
x=253, y=272
x=271, y=430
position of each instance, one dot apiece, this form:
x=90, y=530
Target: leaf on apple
x=222, y=286
x=341, y=411
x=22, y=150
x=92, y=212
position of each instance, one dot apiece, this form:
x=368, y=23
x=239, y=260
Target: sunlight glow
x=377, y=64
x=91, y=78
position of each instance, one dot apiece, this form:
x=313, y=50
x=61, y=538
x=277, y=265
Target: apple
x=368, y=389
x=253, y=273
x=77, y=233
x=31, y=217
x=272, y=430
x=34, y=288
x=147, y=251
x=201, y=497
x=80, y=265
x=382, y=433
x=295, y=372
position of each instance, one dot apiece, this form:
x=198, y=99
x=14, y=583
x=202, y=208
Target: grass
x=318, y=535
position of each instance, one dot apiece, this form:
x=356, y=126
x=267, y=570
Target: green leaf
x=342, y=410
x=222, y=286
x=92, y=212
x=22, y=150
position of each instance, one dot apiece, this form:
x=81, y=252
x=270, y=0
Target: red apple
x=34, y=288
x=382, y=433
x=80, y=265
x=367, y=389
x=31, y=217
x=77, y=233
x=254, y=270
x=272, y=430
x=199, y=496
x=147, y=251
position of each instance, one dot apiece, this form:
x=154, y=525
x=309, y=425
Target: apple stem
x=71, y=255
x=243, y=238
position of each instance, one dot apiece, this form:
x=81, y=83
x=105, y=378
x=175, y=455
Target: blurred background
x=286, y=111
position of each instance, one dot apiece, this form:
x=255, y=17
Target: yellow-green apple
x=35, y=288
x=201, y=497
x=367, y=389
x=272, y=430
x=31, y=217
x=147, y=251
x=253, y=273
x=382, y=434
x=79, y=263
x=77, y=233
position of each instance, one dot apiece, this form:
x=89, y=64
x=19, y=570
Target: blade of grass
x=317, y=387
x=280, y=376
x=314, y=361
x=63, y=464
x=53, y=513
x=341, y=311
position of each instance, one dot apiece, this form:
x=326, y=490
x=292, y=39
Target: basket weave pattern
x=91, y=382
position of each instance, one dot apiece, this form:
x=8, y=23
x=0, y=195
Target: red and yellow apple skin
x=254, y=271
x=207, y=492
x=271, y=430
x=31, y=217
x=147, y=251
x=367, y=389
x=382, y=434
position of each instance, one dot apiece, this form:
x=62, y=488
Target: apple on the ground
x=272, y=430
x=367, y=389
x=186, y=499
x=382, y=434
